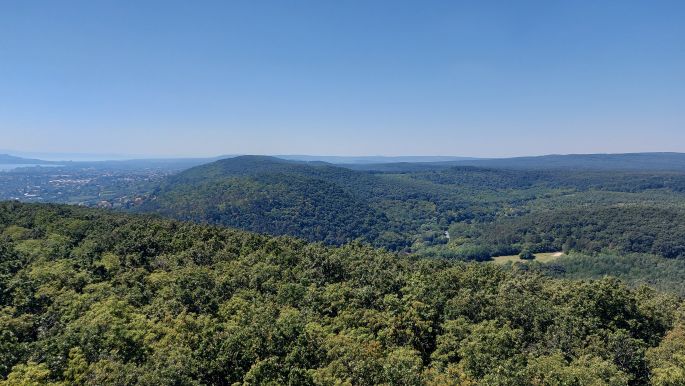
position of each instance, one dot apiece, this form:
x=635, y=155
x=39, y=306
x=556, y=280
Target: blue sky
x=471, y=78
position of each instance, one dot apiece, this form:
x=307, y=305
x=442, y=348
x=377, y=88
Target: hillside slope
x=410, y=209
x=91, y=297
x=269, y=195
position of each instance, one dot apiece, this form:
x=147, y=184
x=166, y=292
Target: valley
x=265, y=270
x=408, y=208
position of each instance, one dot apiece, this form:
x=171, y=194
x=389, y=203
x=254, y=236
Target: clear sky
x=471, y=78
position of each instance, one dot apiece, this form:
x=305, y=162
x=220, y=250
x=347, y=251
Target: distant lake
x=4, y=167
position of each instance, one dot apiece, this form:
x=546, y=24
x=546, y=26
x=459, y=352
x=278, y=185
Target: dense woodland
x=408, y=207
x=91, y=297
x=621, y=229
x=377, y=286
x=666, y=275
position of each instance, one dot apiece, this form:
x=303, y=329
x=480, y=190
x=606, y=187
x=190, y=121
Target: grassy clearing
x=539, y=257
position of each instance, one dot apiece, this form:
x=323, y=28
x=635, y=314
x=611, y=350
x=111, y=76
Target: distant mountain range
x=627, y=161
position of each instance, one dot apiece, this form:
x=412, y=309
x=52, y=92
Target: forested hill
x=627, y=161
x=251, y=165
x=270, y=195
x=90, y=297
x=410, y=209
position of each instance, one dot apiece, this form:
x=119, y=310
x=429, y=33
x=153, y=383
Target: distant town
x=87, y=186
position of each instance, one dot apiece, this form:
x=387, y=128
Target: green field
x=539, y=257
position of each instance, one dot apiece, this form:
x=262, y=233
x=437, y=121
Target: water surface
x=5, y=167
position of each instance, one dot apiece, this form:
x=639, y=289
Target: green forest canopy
x=488, y=212
x=90, y=298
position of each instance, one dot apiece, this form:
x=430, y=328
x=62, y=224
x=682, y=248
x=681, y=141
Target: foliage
x=92, y=297
x=487, y=212
x=635, y=269
x=621, y=229
x=526, y=255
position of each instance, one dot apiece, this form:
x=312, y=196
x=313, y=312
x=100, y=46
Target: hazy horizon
x=79, y=157
x=495, y=79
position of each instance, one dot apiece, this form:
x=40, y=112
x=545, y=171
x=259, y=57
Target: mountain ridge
x=10, y=159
